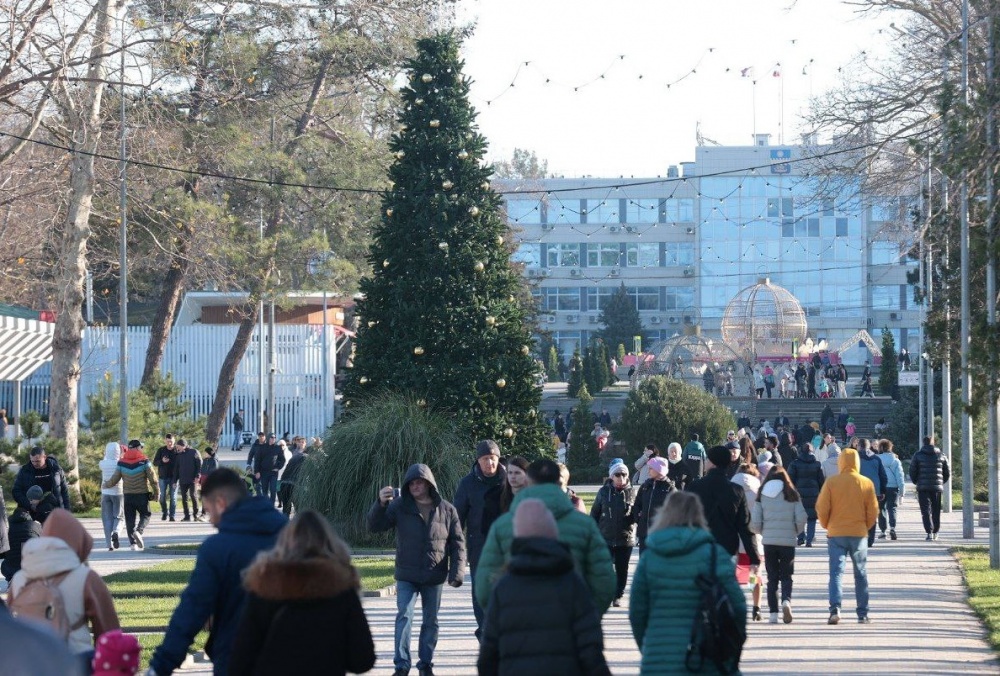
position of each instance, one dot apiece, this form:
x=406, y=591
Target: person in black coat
x=612, y=510
x=929, y=472
x=44, y=471
x=651, y=496
x=255, y=448
x=725, y=505
x=678, y=469
x=266, y=463
x=22, y=529
x=540, y=618
x=786, y=449
x=806, y=473
x=303, y=611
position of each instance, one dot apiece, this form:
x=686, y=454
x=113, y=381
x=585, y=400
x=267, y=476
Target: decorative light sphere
x=479, y=267
x=501, y=383
x=525, y=350
x=418, y=350
x=426, y=77
x=385, y=263
x=474, y=210
x=463, y=155
x=447, y=185
x=434, y=124
x=508, y=433
x=491, y=320
x=363, y=380
x=388, y=212
x=762, y=320
x=419, y=102
x=443, y=246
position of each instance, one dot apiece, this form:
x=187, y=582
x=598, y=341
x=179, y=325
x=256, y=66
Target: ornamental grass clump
x=372, y=448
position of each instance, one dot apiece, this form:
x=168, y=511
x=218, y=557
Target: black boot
x=756, y=614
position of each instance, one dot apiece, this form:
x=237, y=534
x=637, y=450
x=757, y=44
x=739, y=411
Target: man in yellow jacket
x=847, y=508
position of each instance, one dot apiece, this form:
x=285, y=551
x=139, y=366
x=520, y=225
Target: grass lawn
x=588, y=499
x=984, y=588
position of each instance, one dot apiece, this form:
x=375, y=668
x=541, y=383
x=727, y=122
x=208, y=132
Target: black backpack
x=716, y=635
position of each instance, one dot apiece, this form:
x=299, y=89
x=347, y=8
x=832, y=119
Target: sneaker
x=163, y=516
x=892, y=533
x=617, y=603
x=864, y=620
x=426, y=671
x=881, y=535
x=934, y=536
x=401, y=672
x=786, y=611
x=115, y=542
x=834, y=617
x=809, y=544
x=134, y=548
x=200, y=517
x=173, y=519
x=186, y=518
x=137, y=537
x=111, y=549
x=928, y=538
x=773, y=619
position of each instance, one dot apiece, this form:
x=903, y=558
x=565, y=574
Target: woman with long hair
x=303, y=612
x=665, y=598
x=747, y=477
x=517, y=478
x=651, y=451
x=778, y=516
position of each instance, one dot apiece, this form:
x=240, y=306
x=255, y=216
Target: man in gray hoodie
x=830, y=467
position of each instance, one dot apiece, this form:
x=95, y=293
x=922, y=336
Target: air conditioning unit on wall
x=550, y=319
x=594, y=319
x=574, y=272
x=613, y=228
x=672, y=319
x=631, y=228
x=572, y=319
x=655, y=320
x=615, y=272
x=689, y=272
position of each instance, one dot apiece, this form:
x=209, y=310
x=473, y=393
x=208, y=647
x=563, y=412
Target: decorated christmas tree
x=443, y=317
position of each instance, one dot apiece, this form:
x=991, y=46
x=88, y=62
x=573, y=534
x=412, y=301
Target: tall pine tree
x=621, y=319
x=443, y=317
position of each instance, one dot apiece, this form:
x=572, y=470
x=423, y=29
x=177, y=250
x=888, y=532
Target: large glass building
x=685, y=244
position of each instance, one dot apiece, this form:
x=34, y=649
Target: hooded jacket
x=108, y=465
x=774, y=518
x=540, y=618
x=426, y=552
x=893, y=472
x=215, y=590
x=22, y=529
x=830, y=465
x=680, y=473
x=64, y=545
x=477, y=500
x=164, y=470
x=187, y=466
x=806, y=474
x=612, y=510
x=873, y=468
x=847, y=505
x=135, y=473
x=727, y=512
x=577, y=530
x=665, y=599
x=26, y=479
x=650, y=497
x=929, y=469
x=302, y=617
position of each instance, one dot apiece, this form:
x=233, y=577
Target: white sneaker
x=786, y=611
x=134, y=548
x=774, y=619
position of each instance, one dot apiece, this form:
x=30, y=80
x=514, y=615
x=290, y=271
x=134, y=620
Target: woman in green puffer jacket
x=665, y=599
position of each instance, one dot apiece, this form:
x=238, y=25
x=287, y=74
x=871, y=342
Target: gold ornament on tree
x=400, y=154
x=501, y=383
x=421, y=402
x=418, y=350
x=508, y=433
x=463, y=155
x=363, y=380
x=426, y=77
x=486, y=185
x=499, y=240
x=479, y=267
x=385, y=263
x=388, y=212
x=371, y=323
x=525, y=350
x=419, y=102
x=447, y=185
x=443, y=246
x=490, y=320
x=474, y=211
x=434, y=124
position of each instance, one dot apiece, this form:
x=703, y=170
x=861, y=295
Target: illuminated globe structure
x=764, y=320
x=697, y=360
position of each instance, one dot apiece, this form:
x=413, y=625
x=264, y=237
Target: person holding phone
x=430, y=549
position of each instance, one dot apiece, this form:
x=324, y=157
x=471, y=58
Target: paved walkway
x=921, y=622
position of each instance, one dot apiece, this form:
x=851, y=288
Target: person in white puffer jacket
x=112, y=513
x=778, y=515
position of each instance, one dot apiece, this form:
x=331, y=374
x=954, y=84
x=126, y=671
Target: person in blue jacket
x=874, y=469
x=895, y=488
x=247, y=525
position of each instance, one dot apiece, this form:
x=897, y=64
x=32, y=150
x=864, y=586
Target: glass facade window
x=602, y=211
x=603, y=255
x=682, y=298
x=524, y=211
x=886, y=297
x=885, y=253
x=563, y=211
x=678, y=210
x=842, y=230
x=563, y=255
x=565, y=298
x=643, y=211
x=646, y=255
x=679, y=253
x=598, y=297
x=529, y=254
x=828, y=207
x=646, y=297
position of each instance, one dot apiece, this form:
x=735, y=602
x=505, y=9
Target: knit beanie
x=657, y=463
x=35, y=493
x=487, y=447
x=534, y=520
x=720, y=456
x=617, y=466
x=116, y=653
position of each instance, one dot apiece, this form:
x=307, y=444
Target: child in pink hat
x=116, y=653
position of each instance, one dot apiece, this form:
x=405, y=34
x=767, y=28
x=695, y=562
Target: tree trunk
x=170, y=299
x=227, y=374
x=67, y=340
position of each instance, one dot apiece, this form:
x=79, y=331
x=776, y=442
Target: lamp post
x=122, y=256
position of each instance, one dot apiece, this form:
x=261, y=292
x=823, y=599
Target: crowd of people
x=283, y=595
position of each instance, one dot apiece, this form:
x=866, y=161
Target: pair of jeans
x=430, y=603
x=269, y=485
x=871, y=531
x=839, y=548
x=779, y=562
x=887, y=513
x=111, y=516
x=809, y=534
x=237, y=439
x=188, y=490
x=620, y=556
x=930, y=510
x=168, y=489
x=136, y=503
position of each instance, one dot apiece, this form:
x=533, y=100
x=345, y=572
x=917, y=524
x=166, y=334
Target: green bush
x=153, y=411
x=373, y=448
x=582, y=458
x=90, y=495
x=661, y=411
x=31, y=425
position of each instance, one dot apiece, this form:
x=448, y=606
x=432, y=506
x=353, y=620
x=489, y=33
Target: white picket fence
x=193, y=356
